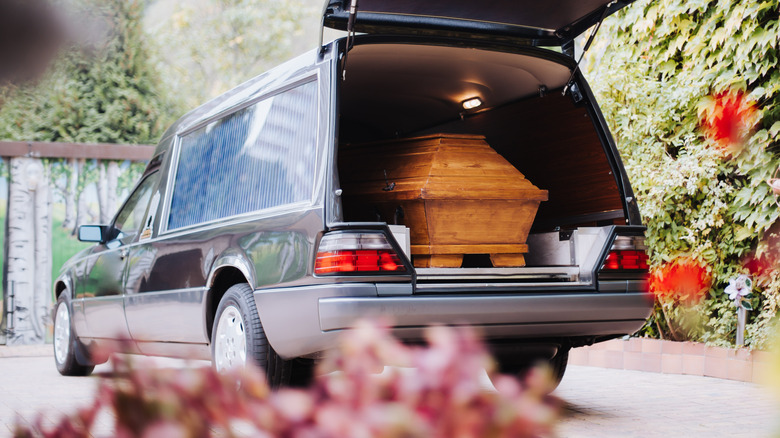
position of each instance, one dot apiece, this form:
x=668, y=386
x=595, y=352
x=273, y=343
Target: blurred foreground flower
x=683, y=280
x=727, y=118
x=679, y=287
x=31, y=33
x=772, y=374
x=441, y=396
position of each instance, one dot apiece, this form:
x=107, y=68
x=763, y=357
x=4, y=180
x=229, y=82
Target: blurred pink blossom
x=381, y=389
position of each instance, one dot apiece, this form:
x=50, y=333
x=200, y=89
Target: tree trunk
x=29, y=202
x=5, y=285
x=70, y=194
x=42, y=298
x=102, y=184
x=82, y=213
x=112, y=177
x=81, y=200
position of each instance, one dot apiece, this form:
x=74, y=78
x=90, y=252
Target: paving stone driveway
x=603, y=402
x=598, y=402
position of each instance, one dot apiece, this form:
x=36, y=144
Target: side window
x=260, y=157
x=130, y=218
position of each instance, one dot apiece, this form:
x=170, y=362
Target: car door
x=104, y=276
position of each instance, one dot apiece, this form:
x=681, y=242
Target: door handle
x=123, y=253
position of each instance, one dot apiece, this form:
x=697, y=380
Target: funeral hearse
x=445, y=162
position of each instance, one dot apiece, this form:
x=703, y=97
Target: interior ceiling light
x=472, y=103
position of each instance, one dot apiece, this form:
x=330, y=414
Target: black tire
x=558, y=365
x=67, y=348
x=279, y=372
x=521, y=365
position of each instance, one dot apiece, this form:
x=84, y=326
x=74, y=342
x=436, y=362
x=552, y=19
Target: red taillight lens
x=627, y=254
x=336, y=261
x=613, y=261
x=624, y=260
x=355, y=252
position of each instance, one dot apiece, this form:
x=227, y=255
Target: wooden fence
x=40, y=149
x=35, y=172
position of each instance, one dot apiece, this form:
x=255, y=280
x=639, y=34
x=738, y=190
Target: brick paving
x=599, y=402
x=668, y=357
x=602, y=402
x=30, y=385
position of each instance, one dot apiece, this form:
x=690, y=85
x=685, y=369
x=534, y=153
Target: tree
x=107, y=95
x=64, y=180
x=4, y=246
x=29, y=251
x=210, y=46
x=662, y=71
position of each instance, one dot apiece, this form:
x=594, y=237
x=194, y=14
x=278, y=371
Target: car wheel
x=521, y=365
x=558, y=365
x=65, y=342
x=238, y=337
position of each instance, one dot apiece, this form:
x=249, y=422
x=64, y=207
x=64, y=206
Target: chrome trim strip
x=167, y=291
x=568, y=273
x=481, y=287
x=173, y=166
x=102, y=298
x=502, y=272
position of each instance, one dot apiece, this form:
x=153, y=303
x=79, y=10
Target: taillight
x=356, y=253
x=627, y=254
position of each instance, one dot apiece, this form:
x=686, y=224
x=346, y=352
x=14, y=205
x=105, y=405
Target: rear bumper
x=305, y=320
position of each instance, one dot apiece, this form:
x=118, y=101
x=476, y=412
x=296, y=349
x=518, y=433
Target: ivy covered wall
x=691, y=91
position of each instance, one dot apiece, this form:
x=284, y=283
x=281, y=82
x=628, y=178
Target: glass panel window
x=259, y=157
x=130, y=218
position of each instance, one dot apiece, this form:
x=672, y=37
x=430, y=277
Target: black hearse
x=225, y=248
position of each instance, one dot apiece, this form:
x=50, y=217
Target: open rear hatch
x=541, y=23
x=456, y=183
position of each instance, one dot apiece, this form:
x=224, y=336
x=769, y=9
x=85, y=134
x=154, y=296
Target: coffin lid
x=541, y=22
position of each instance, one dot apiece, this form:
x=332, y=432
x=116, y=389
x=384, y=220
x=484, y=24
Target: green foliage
x=64, y=244
x=129, y=178
x=655, y=68
x=209, y=46
x=108, y=95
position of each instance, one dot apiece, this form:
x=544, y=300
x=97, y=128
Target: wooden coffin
x=455, y=193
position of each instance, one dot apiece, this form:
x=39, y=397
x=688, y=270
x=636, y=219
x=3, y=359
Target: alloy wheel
x=62, y=333
x=230, y=340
